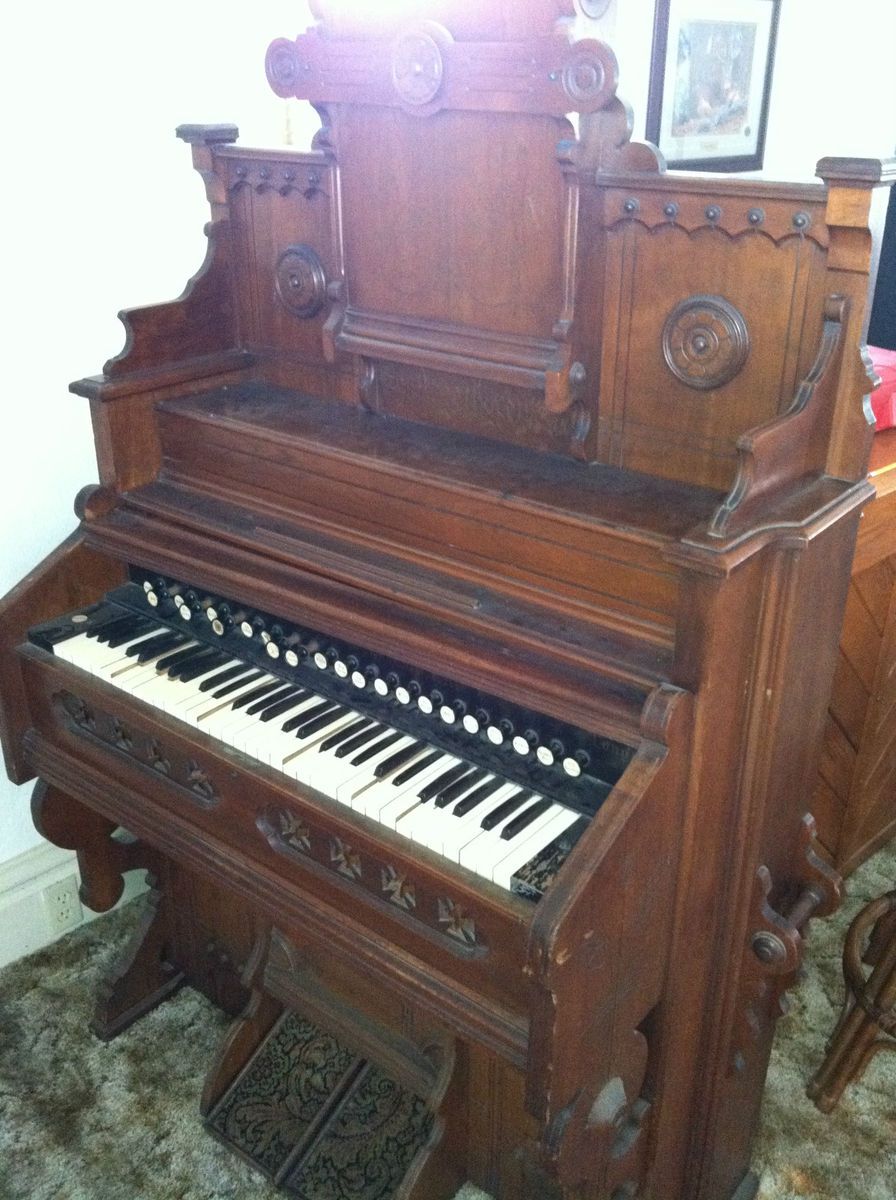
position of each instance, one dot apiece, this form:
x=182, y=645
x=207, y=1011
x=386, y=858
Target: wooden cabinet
x=855, y=799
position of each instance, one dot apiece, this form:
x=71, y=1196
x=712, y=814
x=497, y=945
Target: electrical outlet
x=62, y=905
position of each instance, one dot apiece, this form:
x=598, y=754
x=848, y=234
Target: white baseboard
x=24, y=926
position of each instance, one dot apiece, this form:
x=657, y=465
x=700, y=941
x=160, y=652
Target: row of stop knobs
x=295, y=648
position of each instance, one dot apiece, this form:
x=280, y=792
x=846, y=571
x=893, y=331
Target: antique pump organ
x=453, y=622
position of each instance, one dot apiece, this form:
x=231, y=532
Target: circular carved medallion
x=418, y=68
x=590, y=75
x=705, y=341
x=300, y=280
x=283, y=67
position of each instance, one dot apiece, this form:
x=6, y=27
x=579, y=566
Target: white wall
x=102, y=209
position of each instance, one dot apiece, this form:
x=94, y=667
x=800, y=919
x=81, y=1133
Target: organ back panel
x=481, y=439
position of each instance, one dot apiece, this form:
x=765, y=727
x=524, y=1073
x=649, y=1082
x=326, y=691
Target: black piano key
x=197, y=666
x=148, y=655
x=119, y=625
x=262, y=690
x=179, y=656
x=525, y=819
x=348, y=731
x=134, y=631
x=396, y=760
x=281, y=691
x=451, y=793
x=222, y=677
x=360, y=739
x=159, y=644
x=98, y=621
x=417, y=767
x=307, y=715
x=510, y=805
x=481, y=793
x=321, y=722
x=243, y=681
x=383, y=744
x=534, y=878
x=284, y=705
x=436, y=785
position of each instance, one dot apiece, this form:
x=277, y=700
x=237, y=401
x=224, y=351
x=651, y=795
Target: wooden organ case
x=478, y=428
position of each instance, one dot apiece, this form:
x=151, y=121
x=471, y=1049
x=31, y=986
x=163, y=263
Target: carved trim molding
x=392, y=886
x=269, y=176
x=146, y=750
x=654, y=208
x=424, y=70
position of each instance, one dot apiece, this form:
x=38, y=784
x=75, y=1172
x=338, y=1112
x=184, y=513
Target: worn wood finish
x=855, y=795
x=521, y=411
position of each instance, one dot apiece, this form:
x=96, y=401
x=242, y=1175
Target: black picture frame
x=710, y=82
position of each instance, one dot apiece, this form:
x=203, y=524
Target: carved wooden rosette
x=300, y=281
x=705, y=342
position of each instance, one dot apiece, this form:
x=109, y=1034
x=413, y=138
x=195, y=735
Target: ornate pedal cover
x=319, y=1122
x=366, y=1150
x=286, y=1089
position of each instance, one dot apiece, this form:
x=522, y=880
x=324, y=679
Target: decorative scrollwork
x=705, y=342
x=158, y=760
x=346, y=860
x=301, y=281
x=283, y=67
x=294, y=832
x=418, y=67
x=199, y=782
x=457, y=922
x=122, y=736
x=397, y=888
x=79, y=712
x=142, y=749
x=590, y=75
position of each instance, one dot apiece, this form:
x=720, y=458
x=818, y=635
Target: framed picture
x=710, y=78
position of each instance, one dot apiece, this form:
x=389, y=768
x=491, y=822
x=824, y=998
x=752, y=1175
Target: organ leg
x=181, y=936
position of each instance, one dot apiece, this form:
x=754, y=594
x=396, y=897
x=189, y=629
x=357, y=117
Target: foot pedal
x=319, y=1122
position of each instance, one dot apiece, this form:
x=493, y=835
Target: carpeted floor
x=80, y=1120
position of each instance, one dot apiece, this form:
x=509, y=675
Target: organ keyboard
x=492, y=496
x=448, y=773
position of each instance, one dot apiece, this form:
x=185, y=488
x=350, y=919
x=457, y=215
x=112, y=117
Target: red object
x=883, y=398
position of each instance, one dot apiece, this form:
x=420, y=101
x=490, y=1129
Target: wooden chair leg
x=868, y=1024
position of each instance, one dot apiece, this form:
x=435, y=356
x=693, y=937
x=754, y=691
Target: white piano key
x=267, y=741
x=394, y=810
x=307, y=764
x=458, y=832
x=220, y=711
x=376, y=793
x=186, y=693
x=354, y=776
x=488, y=847
x=540, y=835
x=432, y=833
